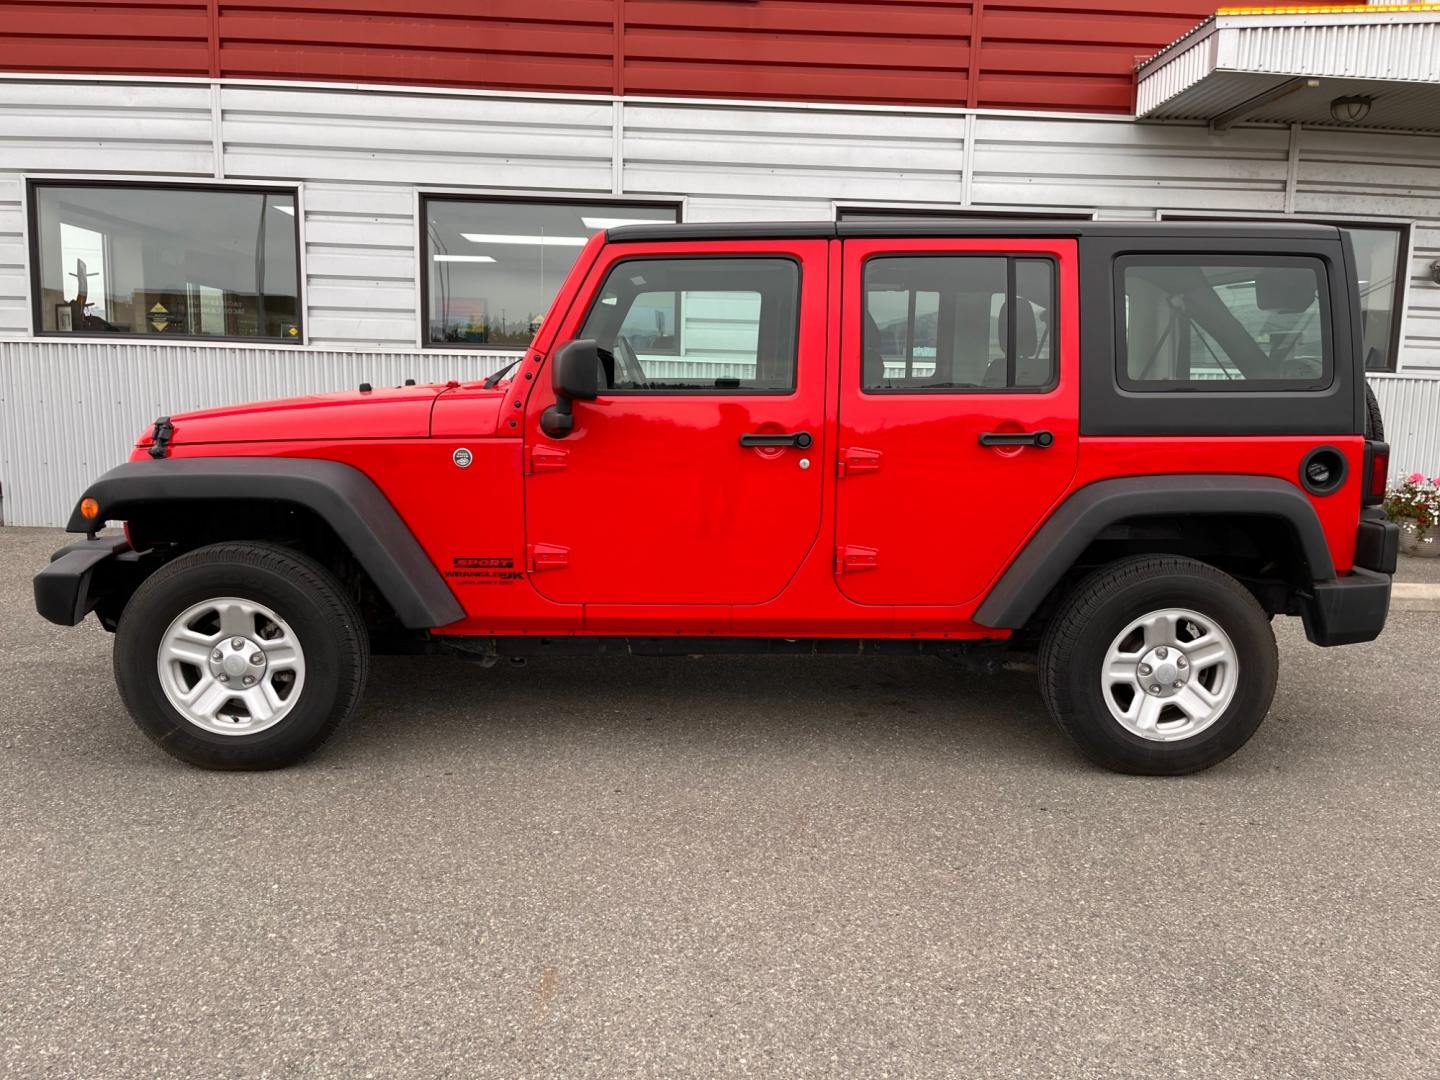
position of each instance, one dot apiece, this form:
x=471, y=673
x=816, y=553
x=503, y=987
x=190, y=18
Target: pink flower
x=1415, y=478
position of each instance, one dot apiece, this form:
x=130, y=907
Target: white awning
x=1373, y=66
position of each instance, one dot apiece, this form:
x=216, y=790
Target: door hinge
x=547, y=557
x=548, y=459
x=853, y=558
x=856, y=459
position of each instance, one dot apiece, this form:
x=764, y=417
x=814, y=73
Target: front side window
x=958, y=322
x=1218, y=324
x=167, y=262
x=492, y=266
x=726, y=325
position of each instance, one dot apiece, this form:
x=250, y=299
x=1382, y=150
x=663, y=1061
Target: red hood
x=401, y=412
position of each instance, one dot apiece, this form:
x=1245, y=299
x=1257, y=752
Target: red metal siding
x=1027, y=55
x=915, y=51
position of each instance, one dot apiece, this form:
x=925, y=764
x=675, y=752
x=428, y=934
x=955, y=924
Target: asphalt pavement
x=771, y=867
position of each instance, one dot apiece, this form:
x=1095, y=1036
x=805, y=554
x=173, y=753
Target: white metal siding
x=1400, y=47
x=1410, y=405
x=71, y=410
x=361, y=156
x=1421, y=347
x=14, y=289
x=780, y=156
x=1050, y=162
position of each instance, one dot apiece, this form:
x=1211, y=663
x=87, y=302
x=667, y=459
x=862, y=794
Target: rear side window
x=1196, y=323
x=935, y=323
x=717, y=325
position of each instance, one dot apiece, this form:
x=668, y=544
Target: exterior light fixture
x=1435, y=271
x=1350, y=109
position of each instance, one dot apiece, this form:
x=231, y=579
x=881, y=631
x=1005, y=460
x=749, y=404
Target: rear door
x=689, y=480
x=958, y=411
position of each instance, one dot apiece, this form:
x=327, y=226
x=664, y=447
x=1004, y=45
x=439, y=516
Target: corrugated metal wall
x=362, y=156
x=1062, y=54
x=69, y=411
x=1410, y=405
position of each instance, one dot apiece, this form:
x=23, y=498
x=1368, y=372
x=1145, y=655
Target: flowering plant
x=1416, y=501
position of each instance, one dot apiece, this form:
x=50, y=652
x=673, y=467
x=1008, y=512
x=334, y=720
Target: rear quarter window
x=1223, y=323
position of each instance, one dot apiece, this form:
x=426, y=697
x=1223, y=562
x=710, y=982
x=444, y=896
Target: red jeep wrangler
x=1130, y=445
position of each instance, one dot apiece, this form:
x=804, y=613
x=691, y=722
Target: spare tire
x=1374, y=425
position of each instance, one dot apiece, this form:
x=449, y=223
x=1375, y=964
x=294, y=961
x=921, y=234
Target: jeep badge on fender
x=1125, y=445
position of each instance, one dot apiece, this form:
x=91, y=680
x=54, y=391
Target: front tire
x=240, y=656
x=1159, y=665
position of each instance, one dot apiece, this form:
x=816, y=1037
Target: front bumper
x=80, y=576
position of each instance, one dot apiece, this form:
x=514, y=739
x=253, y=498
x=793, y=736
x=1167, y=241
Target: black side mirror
x=577, y=374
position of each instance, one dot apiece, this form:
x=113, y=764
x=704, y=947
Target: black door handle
x=1042, y=439
x=801, y=440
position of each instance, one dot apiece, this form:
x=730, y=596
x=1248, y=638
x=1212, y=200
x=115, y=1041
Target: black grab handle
x=1041, y=439
x=801, y=440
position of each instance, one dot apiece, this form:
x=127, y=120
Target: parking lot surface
x=713, y=868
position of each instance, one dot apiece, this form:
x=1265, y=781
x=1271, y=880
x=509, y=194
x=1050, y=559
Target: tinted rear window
x=1225, y=323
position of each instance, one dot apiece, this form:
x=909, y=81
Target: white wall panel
x=1350, y=173
x=1040, y=163
x=729, y=153
x=90, y=127
x=1410, y=405
x=417, y=139
x=71, y=410
x=360, y=265
x=14, y=318
x=1421, y=347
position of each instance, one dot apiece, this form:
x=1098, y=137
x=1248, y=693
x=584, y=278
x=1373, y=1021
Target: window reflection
x=493, y=266
x=172, y=262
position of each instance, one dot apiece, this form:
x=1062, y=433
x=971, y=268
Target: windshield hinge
x=160, y=437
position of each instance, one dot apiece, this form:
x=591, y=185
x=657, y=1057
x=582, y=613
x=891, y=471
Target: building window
x=935, y=323
x=1195, y=322
x=178, y=262
x=493, y=266
x=1380, y=252
x=1379, y=255
x=721, y=325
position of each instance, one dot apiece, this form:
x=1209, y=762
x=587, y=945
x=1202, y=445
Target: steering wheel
x=627, y=363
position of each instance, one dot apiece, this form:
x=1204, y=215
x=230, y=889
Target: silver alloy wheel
x=1170, y=674
x=231, y=666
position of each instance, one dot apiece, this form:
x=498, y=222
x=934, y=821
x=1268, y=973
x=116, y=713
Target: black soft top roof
x=916, y=227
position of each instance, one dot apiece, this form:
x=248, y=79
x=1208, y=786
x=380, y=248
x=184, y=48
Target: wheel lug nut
x=1144, y=669
x=1180, y=662
x=1162, y=652
x=223, y=677
x=1155, y=688
x=237, y=643
x=217, y=655
x=256, y=658
x=249, y=680
x=1177, y=684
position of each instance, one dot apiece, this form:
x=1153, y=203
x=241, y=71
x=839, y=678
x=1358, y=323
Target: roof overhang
x=1290, y=65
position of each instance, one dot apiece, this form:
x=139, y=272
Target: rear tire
x=240, y=656
x=1159, y=665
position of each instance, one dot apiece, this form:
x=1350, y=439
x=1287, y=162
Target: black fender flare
x=1055, y=546
x=341, y=495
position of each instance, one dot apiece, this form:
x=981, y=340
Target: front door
x=958, y=411
x=695, y=477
